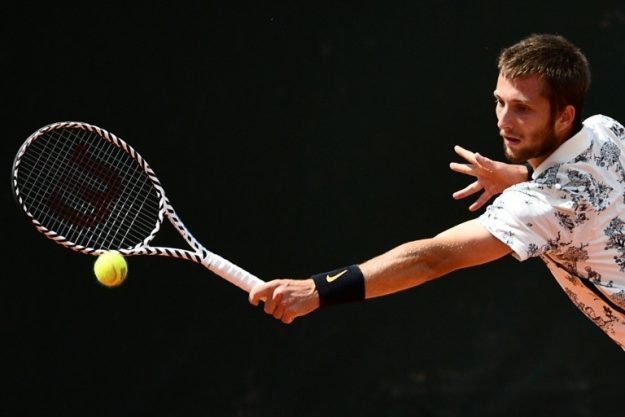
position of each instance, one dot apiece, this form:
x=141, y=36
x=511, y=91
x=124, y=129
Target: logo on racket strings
x=99, y=201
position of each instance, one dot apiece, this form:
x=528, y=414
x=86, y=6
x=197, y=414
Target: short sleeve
x=527, y=219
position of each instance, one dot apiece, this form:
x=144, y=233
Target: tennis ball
x=110, y=268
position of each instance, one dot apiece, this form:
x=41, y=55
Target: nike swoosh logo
x=331, y=278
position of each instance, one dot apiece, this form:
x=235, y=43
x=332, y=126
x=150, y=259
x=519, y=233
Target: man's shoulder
x=601, y=123
x=599, y=118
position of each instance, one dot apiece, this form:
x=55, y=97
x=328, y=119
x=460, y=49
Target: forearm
x=406, y=266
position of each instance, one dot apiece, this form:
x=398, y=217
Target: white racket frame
x=200, y=255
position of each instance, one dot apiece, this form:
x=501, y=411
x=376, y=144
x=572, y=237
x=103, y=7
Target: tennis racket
x=89, y=191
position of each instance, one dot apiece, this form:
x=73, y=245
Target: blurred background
x=292, y=138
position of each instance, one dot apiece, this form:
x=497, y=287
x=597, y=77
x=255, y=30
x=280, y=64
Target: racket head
x=87, y=189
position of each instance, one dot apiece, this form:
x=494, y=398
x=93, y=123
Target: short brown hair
x=560, y=64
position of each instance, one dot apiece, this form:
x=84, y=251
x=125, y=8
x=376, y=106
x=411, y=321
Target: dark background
x=292, y=138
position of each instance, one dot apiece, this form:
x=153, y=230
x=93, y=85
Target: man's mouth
x=511, y=140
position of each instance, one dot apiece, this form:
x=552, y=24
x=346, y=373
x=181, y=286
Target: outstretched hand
x=491, y=176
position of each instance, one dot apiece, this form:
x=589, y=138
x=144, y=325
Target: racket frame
x=199, y=254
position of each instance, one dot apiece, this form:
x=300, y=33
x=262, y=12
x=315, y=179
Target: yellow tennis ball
x=110, y=268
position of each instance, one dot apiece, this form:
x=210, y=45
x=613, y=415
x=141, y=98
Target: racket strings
x=88, y=190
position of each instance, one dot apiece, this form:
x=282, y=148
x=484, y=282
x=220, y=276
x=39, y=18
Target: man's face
x=524, y=119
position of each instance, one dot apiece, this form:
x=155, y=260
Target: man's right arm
x=405, y=266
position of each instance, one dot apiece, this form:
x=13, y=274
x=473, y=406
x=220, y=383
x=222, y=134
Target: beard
x=544, y=143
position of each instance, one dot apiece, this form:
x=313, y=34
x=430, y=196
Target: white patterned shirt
x=572, y=215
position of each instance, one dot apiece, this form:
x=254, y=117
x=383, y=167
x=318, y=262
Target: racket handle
x=230, y=272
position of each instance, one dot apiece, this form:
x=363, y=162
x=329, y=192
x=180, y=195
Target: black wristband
x=344, y=285
x=530, y=170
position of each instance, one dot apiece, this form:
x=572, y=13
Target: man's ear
x=564, y=121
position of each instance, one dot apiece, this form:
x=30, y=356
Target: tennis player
x=567, y=209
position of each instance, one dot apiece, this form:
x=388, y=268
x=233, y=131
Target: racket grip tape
x=232, y=273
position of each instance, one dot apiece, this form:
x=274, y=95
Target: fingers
x=484, y=197
x=283, y=313
x=467, y=191
x=272, y=294
x=281, y=307
x=461, y=168
x=268, y=293
x=286, y=299
x=273, y=303
x=484, y=163
x=275, y=309
x=472, y=168
x=472, y=189
x=476, y=161
x=259, y=293
x=465, y=154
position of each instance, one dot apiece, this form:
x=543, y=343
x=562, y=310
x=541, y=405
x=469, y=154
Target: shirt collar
x=572, y=147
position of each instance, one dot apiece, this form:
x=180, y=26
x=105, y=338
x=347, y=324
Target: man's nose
x=503, y=118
